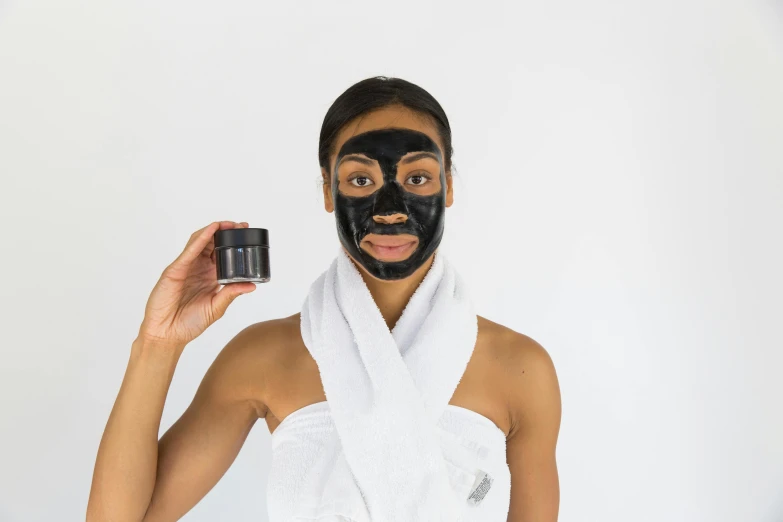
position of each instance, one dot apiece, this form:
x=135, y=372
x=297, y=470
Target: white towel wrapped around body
x=386, y=392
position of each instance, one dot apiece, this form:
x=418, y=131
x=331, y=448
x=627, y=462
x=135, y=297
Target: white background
x=619, y=198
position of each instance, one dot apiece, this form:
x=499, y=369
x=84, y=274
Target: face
x=389, y=192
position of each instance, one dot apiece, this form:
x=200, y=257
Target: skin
x=265, y=372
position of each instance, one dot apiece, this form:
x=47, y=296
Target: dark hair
x=375, y=93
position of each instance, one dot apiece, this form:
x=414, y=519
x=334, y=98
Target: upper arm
x=535, y=423
x=201, y=445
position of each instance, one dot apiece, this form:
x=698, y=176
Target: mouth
x=389, y=247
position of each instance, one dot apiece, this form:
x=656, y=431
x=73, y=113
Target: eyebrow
x=358, y=159
x=407, y=159
x=418, y=156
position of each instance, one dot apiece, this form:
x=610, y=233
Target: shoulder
x=262, y=341
x=251, y=359
x=265, y=338
x=527, y=374
x=517, y=351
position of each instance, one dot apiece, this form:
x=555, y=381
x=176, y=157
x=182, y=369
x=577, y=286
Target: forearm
x=127, y=460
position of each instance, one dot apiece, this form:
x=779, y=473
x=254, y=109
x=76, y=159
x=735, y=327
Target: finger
x=225, y=225
x=197, y=242
x=226, y=296
x=202, y=240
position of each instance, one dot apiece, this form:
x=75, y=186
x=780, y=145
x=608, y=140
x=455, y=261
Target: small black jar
x=242, y=255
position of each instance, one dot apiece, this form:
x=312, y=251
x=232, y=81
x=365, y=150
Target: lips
x=390, y=240
x=390, y=247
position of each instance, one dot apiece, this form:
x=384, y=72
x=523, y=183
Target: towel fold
x=386, y=391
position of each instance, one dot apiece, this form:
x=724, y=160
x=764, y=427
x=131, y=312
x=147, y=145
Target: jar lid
x=239, y=237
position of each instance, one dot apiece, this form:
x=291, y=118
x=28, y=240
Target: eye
x=418, y=179
x=360, y=181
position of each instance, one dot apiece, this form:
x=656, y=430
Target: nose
x=389, y=207
x=390, y=219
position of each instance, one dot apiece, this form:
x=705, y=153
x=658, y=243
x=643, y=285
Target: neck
x=392, y=296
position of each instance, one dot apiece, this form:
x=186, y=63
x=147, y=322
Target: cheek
x=427, y=209
x=355, y=213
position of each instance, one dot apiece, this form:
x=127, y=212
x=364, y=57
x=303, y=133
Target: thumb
x=226, y=296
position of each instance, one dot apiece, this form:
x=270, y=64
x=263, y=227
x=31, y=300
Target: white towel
x=386, y=391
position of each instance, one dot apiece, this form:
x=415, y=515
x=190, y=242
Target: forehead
x=395, y=116
x=388, y=145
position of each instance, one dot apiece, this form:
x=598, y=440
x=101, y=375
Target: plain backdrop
x=618, y=198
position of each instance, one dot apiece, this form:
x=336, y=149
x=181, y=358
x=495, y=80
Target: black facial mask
x=354, y=215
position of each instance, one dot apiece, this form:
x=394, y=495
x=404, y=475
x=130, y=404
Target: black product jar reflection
x=242, y=255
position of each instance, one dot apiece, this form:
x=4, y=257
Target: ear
x=327, y=187
x=449, y=189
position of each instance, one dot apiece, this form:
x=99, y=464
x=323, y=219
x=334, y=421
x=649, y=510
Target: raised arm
x=131, y=467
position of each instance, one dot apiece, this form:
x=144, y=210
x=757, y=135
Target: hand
x=187, y=298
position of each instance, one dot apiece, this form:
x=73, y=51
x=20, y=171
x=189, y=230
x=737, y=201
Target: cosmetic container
x=242, y=255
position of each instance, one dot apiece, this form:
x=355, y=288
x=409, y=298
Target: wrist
x=156, y=349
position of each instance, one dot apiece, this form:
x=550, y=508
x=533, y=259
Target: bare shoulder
x=527, y=373
x=251, y=359
x=520, y=352
x=531, y=393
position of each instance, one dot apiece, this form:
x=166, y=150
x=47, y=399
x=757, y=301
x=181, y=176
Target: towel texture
x=386, y=392
x=302, y=443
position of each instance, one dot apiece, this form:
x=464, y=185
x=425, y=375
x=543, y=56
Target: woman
x=385, y=155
